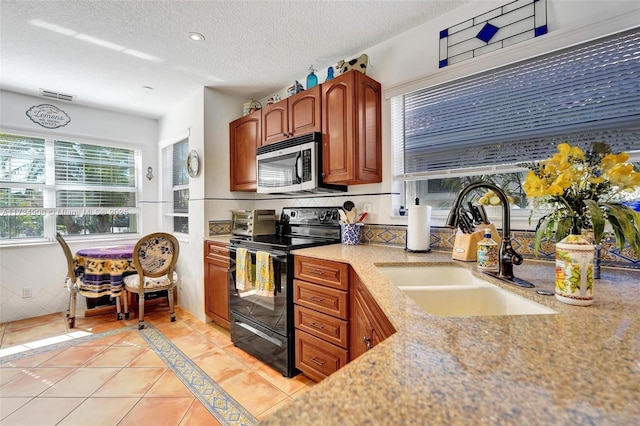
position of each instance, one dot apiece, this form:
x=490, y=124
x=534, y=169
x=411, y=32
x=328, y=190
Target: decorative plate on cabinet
x=193, y=163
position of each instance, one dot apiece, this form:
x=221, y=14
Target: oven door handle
x=274, y=254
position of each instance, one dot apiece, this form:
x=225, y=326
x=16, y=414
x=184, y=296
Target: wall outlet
x=366, y=208
x=27, y=292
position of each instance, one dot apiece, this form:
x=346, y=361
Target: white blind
x=22, y=171
x=520, y=112
x=94, y=176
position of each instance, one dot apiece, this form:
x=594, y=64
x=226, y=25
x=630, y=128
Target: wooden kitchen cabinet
x=321, y=313
x=296, y=115
x=369, y=325
x=351, y=130
x=216, y=282
x=245, y=137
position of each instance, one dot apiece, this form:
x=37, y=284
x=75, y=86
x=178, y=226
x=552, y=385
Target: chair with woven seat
x=75, y=285
x=154, y=257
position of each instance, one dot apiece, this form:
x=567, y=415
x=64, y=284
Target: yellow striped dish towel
x=264, y=275
x=244, y=278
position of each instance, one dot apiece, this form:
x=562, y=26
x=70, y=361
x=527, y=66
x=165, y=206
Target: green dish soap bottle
x=488, y=252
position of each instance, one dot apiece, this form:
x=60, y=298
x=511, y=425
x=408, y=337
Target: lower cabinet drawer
x=328, y=300
x=316, y=358
x=321, y=325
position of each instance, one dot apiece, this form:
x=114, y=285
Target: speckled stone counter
x=580, y=366
x=222, y=238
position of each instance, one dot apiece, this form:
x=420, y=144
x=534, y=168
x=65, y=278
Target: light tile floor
x=120, y=380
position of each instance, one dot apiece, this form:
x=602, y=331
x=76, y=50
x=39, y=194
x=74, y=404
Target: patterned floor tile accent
x=223, y=407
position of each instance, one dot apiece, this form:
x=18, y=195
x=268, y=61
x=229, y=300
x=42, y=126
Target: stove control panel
x=326, y=216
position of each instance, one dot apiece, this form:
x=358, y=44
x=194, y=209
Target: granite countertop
x=580, y=366
x=222, y=238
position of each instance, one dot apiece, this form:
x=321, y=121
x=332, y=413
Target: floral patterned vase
x=350, y=234
x=574, y=270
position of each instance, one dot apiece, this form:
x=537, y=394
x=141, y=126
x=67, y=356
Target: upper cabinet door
x=304, y=112
x=244, y=139
x=351, y=127
x=296, y=115
x=275, y=125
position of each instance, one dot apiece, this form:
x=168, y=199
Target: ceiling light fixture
x=196, y=36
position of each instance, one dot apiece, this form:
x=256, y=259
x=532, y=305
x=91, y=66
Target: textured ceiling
x=252, y=48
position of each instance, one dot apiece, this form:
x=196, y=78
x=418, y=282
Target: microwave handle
x=298, y=167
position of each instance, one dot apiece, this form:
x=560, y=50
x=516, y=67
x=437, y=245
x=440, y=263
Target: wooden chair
x=75, y=285
x=154, y=257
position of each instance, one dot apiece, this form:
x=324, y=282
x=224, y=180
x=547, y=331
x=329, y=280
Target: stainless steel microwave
x=293, y=165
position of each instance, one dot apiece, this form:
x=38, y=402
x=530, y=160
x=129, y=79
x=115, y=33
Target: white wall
x=187, y=119
x=220, y=110
x=42, y=266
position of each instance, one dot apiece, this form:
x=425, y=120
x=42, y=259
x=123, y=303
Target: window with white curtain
x=74, y=188
x=485, y=126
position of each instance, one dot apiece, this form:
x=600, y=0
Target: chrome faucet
x=508, y=256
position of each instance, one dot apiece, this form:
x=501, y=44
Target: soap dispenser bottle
x=312, y=78
x=487, y=254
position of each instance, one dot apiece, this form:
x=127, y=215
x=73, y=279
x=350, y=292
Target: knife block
x=465, y=246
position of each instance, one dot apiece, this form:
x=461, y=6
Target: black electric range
x=262, y=322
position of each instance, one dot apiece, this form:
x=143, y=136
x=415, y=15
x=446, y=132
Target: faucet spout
x=508, y=255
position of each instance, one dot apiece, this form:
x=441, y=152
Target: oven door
x=267, y=307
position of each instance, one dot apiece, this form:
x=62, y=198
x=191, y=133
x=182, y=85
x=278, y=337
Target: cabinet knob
x=367, y=342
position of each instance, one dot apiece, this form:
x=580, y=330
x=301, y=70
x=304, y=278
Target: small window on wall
x=176, y=160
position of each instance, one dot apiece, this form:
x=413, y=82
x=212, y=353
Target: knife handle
x=483, y=214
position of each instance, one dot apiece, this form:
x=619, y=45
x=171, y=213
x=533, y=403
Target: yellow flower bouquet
x=588, y=186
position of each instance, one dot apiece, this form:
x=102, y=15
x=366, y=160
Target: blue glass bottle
x=329, y=74
x=312, y=79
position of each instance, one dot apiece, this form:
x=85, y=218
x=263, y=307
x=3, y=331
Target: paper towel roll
x=418, y=229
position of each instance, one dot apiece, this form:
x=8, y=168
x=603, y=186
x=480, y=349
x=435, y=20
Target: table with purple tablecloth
x=101, y=269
